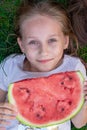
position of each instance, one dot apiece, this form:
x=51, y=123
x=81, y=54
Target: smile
x=45, y=60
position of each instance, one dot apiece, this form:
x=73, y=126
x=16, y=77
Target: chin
x=45, y=69
x=42, y=69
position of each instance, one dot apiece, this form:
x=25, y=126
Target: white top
x=11, y=71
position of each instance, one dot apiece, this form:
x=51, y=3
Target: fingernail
x=85, y=83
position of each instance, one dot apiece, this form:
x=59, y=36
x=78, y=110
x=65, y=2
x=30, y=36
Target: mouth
x=45, y=60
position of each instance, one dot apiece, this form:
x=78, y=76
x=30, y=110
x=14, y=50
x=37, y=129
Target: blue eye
x=52, y=40
x=33, y=42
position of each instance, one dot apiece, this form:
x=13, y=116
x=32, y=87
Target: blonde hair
x=49, y=8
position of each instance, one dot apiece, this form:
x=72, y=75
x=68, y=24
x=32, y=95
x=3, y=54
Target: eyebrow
x=48, y=36
x=54, y=35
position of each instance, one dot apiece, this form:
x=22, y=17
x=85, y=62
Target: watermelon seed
x=70, y=78
x=42, y=108
x=65, y=88
x=62, y=83
x=25, y=89
x=31, y=105
x=71, y=90
x=28, y=91
x=62, y=109
x=70, y=103
x=39, y=116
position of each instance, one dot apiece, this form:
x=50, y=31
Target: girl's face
x=43, y=42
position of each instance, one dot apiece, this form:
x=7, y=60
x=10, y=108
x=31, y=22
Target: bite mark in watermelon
x=48, y=100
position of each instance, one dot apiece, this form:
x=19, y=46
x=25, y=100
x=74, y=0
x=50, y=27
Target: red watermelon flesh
x=48, y=100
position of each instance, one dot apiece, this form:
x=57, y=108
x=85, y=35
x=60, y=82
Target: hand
x=7, y=113
x=85, y=91
x=2, y=128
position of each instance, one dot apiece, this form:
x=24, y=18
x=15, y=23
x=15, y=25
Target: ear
x=20, y=43
x=66, y=42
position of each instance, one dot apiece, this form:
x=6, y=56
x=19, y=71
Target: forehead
x=39, y=21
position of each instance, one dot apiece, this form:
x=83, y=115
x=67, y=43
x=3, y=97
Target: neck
x=27, y=65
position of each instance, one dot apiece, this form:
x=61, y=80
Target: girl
x=45, y=35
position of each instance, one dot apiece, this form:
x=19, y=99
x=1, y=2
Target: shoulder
x=75, y=63
x=71, y=60
x=12, y=58
x=10, y=61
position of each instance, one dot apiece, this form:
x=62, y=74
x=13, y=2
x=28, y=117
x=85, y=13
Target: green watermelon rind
x=26, y=122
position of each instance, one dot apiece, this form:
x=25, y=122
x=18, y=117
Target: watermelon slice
x=46, y=101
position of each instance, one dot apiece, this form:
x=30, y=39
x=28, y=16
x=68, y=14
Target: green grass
x=82, y=52
x=83, y=128
x=8, y=43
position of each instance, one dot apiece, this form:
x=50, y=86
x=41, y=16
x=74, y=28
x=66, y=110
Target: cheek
x=58, y=54
x=58, y=50
x=31, y=54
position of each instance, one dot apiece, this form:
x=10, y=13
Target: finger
x=4, y=123
x=85, y=89
x=85, y=83
x=2, y=128
x=7, y=117
x=85, y=92
x=8, y=106
x=7, y=112
x=85, y=97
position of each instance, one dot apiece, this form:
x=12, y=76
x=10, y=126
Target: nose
x=44, y=49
